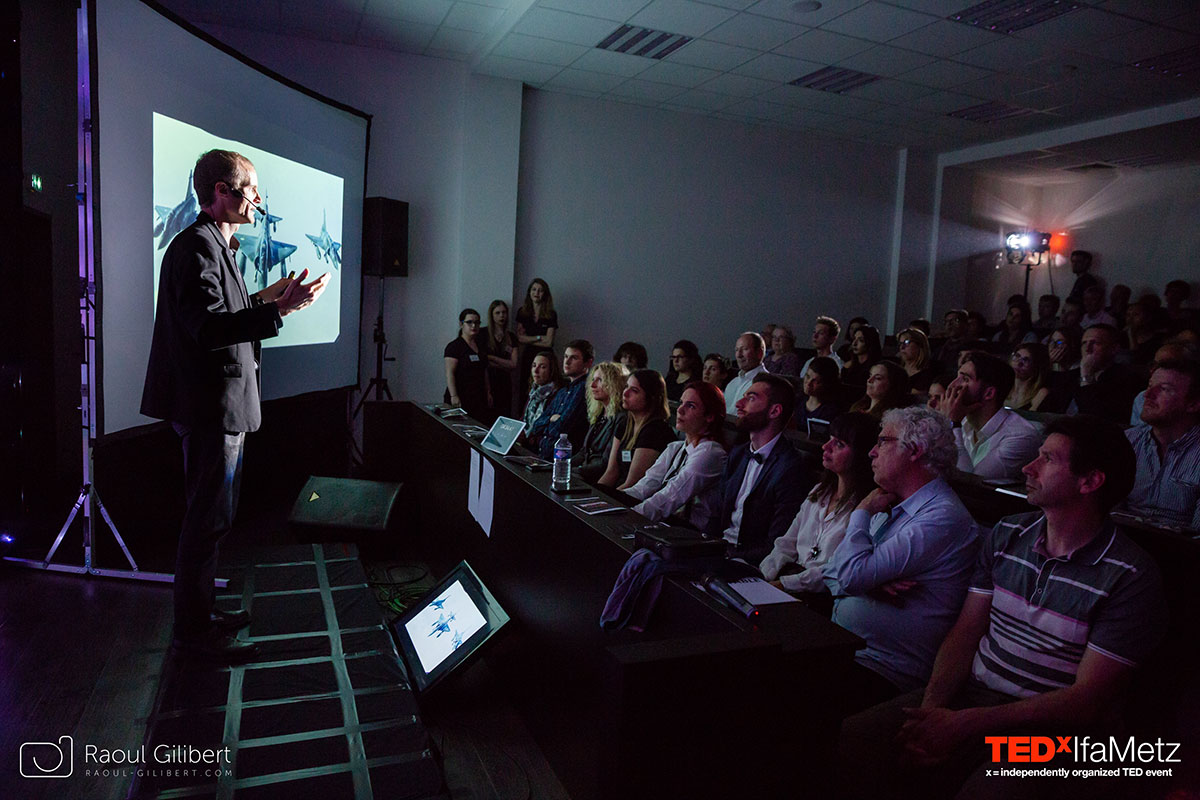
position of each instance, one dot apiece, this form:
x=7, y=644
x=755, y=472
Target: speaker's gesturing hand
x=299, y=294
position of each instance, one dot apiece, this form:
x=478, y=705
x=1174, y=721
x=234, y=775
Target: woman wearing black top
x=645, y=433
x=686, y=367
x=865, y=352
x=536, y=323
x=916, y=359
x=466, y=368
x=502, y=357
x=822, y=386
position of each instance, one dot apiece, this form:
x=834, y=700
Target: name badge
x=627, y=456
x=473, y=357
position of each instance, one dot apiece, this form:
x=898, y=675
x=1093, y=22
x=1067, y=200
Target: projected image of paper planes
x=327, y=248
x=262, y=250
x=442, y=625
x=171, y=220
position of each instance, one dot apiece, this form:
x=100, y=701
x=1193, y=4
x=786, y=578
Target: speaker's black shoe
x=216, y=645
x=229, y=620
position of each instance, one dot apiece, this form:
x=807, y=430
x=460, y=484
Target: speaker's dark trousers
x=212, y=468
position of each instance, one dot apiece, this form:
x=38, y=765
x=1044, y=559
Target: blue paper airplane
x=327, y=248
x=262, y=250
x=172, y=220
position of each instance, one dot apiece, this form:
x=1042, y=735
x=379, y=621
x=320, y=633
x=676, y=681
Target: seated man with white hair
x=900, y=574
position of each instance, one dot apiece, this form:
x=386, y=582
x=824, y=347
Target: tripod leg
x=83, y=493
x=116, y=534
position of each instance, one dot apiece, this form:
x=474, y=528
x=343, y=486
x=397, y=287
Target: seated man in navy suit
x=764, y=481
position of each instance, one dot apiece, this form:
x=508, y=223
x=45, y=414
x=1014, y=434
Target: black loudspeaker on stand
x=385, y=237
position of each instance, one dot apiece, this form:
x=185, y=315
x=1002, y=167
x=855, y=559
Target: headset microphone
x=257, y=208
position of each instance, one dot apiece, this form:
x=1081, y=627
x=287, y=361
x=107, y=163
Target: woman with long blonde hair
x=606, y=384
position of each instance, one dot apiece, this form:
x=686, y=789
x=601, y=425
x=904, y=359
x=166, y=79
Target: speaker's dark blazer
x=203, y=368
x=771, y=505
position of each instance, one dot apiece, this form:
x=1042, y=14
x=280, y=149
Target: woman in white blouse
x=685, y=479
x=796, y=560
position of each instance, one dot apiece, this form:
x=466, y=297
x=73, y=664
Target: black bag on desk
x=678, y=544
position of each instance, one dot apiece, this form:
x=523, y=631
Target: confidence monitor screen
x=157, y=110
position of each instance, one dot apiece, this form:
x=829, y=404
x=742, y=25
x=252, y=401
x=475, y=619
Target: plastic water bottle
x=562, y=463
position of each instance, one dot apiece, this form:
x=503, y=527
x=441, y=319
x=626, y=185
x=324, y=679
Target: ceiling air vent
x=1006, y=16
x=835, y=79
x=1183, y=63
x=643, y=42
x=990, y=112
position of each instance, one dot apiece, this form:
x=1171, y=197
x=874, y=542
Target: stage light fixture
x=1017, y=246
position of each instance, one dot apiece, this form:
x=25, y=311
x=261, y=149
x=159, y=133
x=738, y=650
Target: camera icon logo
x=47, y=759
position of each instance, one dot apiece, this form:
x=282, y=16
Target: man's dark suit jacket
x=771, y=505
x=1110, y=396
x=203, y=368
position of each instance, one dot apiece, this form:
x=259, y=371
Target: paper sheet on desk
x=473, y=485
x=487, y=492
x=760, y=593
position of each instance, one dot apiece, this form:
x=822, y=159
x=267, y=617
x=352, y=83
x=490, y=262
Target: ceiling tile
x=1079, y=28
x=936, y=8
x=647, y=90
x=394, y=34
x=713, y=55
x=944, y=74
x=1156, y=11
x=757, y=108
x=561, y=26
x=528, y=71
x=944, y=38
x=878, y=22
x=811, y=118
x=739, y=85
x=945, y=102
x=736, y=5
x=823, y=46
x=1000, y=87
x=681, y=16
x=1148, y=42
x=1004, y=53
x=584, y=80
x=612, y=63
x=772, y=67
x=455, y=41
x=846, y=104
x=891, y=91
x=886, y=61
x=427, y=12
x=785, y=10
x=707, y=101
x=678, y=74
x=899, y=115
x=760, y=33
x=533, y=48
x=616, y=10
x=473, y=17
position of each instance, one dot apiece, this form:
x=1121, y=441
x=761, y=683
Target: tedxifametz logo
x=1087, y=757
x=47, y=759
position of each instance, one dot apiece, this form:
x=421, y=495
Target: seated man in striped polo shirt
x=1061, y=609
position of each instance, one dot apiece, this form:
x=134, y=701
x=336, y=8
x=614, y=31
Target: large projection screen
x=158, y=107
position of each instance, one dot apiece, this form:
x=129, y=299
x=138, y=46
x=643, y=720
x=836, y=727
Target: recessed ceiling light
x=806, y=6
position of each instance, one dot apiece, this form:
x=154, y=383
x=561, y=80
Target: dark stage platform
x=324, y=711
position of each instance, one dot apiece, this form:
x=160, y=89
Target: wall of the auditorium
x=654, y=226
x=1143, y=227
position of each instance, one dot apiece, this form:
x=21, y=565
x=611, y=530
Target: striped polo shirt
x=1046, y=611
x=1167, y=488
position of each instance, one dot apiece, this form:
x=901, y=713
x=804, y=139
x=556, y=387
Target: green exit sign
x=35, y=182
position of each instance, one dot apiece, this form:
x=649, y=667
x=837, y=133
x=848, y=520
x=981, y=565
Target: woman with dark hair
x=822, y=387
x=851, y=328
x=605, y=387
x=1017, y=328
x=784, y=360
x=545, y=379
x=1064, y=353
x=797, y=557
x=537, y=322
x=1031, y=366
x=887, y=388
x=865, y=352
x=686, y=367
x=716, y=370
x=502, y=357
x=631, y=356
x=466, y=368
x=686, y=479
x=916, y=358
x=645, y=434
